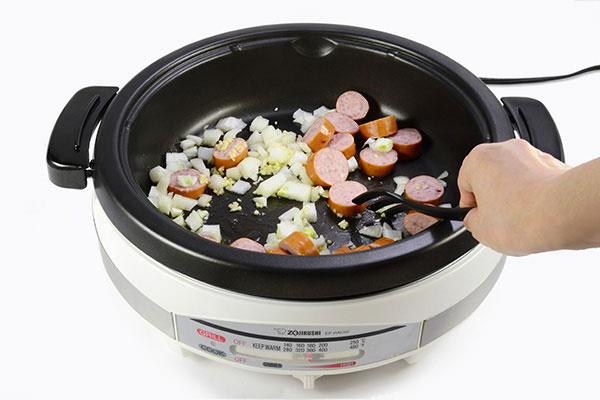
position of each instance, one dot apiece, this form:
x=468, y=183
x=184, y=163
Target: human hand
x=510, y=185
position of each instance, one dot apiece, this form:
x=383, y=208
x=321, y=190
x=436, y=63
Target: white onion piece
x=295, y=191
x=191, y=152
x=298, y=156
x=295, y=168
x=391, y=233
x=401, y=179
x=300, y=116
x=211, y=137
x=234, y=173
x=270, y=135
x=288, y=137
x=204, y=200
x=163, y=184
x=194, y=221
x=205, y=153
x=156, y=173
x=307, y=124
x=400, y=188
x=443, y=175
x=254, y=138
x=279, y=154
x=445, y=205
x=186, y=144
x=196, y=139
x=325, y=252
x=260, y=202
x=444, y=184
x=185, y=203
x=231, y=134
x=230, y=123
x=153, y=192
x=294, y=146
x=270, y=186
x=319, y=241
x=240, y=187
x=164, y=203
x=304, y=178
x=249, y=167
x=177, y=161
x=352, y=164
x=374, y=231
x=305, y=148
x=321, y=111
x=286, y=228
x=310, y=212
x=271, y=245
x=217, y=183
x=289, y=214
x=258, y=124
x=176, y=212
x=316, y=192
x=213, y=231
x=186, y=180
x=154, y=201
x=382, y=145
x=199, y=166
x=179, y=220
x=368, y=142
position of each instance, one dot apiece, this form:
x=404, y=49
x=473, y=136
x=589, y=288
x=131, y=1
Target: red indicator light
x=211, y=335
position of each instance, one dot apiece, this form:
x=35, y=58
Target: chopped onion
x=382, y=145
x=211, y=137
x=255, y=138
x=295, y=168
x=288, y=137
x=156, y=173
x=229, y=123
x=270, y=186
x=186, y=144
x=186, y=180
x=185, y=203
x=343, y=224
x=199, y=166
x=321, y=111
x=295, y=191
x=294, y=146
x=298, y=156
x=300, y=116
x=310, y=212
x=352, y=164
x=279, y=154
x=445, y=205
x=164, y=203
x=177, y=161
x=194, y=221
x=325, y=252
x=217, y=183
x=271, y=245
x=163, y=184
x=192, y=152
x=204, y=200
x=231, y=134
x=213, y=231
x=176, y=212
x=258, y=124
x=368, y=142
x=260, y=202
x=444, y=184
x=234, y=173
x=205, y=153
x=401, y=179
x=319, y=241
x=390, y=233
x=316, y=192
x=306, y=124
x=154, y=201
x=304, y=178
x=289, y=214
x=286, y=228
x=443, y=175
x=153, y=192
x=249, y=167
x=270, y=135
x=305, y=148
x=240, y=187
x=196, y=139
x=374, y=231
x=179, y=220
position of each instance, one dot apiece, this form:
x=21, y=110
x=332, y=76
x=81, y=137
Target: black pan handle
x=68, y=156
x=535, y=124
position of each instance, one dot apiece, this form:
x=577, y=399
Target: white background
x=67, y=333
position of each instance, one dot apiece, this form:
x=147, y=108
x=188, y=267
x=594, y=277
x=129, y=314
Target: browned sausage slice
x=376, y=163
x=415, y=222
x=342, y=250
x=408, y=143
x=327, y=166
x=299, y=244
x=379, y=128
x=277, y=250
x=192, y=184
x=424, y=189
x=342, y=123
x=248, y=244
x=341, y=195
x=352, y=104
x=319, y=134
x=343, y=142
x=381, y=242
x=230, y=152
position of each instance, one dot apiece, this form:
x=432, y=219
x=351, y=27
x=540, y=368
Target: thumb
x=471, y=220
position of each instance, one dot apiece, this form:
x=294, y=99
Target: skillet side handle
x=68, y=156
x=535, y=124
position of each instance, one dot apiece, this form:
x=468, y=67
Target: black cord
x=512, y=81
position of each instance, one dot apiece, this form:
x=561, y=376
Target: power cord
x=513, y=81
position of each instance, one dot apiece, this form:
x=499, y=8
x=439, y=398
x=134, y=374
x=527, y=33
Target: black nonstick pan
x=272, y=71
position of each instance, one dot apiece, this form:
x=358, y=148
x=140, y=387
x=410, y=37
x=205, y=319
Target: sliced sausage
x=408, y=143
x=361, y=248
x=189, y=183
x=424, y=189
x=319, y=134
x=342, y=123
x=377, y=163
x=342, y=250
x=352, y=104
x=299, y=244
x=343, y=142
x=341, y=195
x=415, y=222
x=381, y=127
x=230, y=152
x=277, y=250
x=381, y=242
x=248, y=244
x=327, y=166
